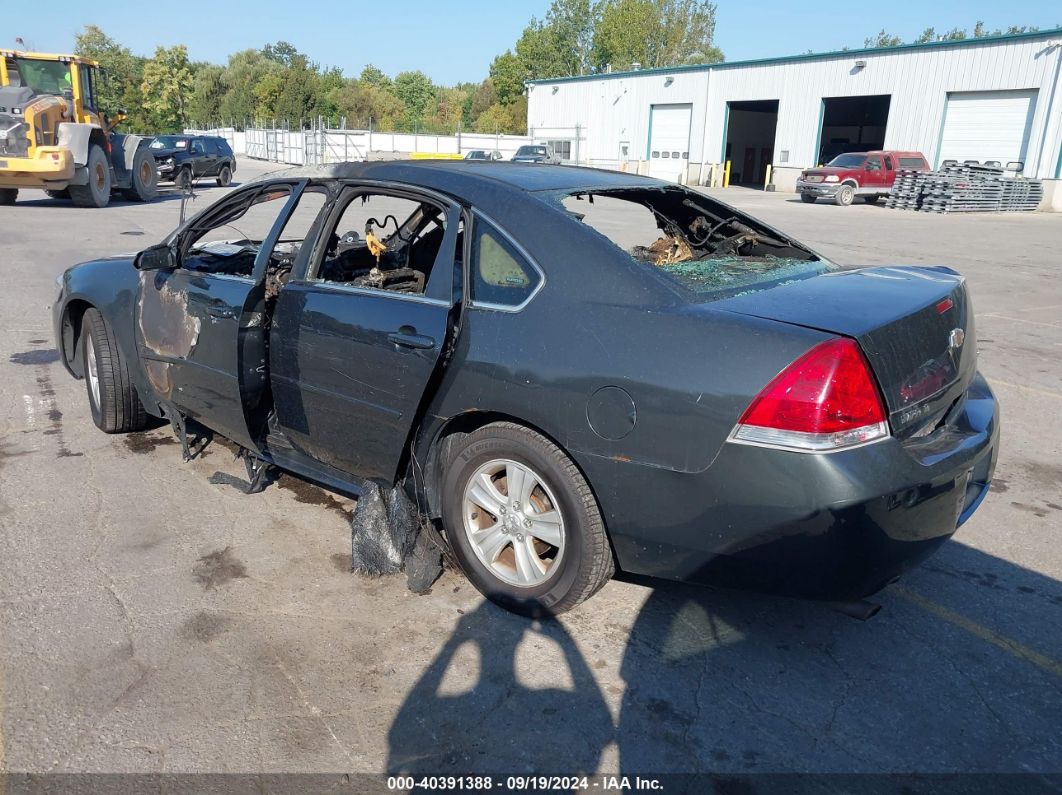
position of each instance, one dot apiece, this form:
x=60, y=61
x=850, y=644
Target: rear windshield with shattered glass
x=705, y=250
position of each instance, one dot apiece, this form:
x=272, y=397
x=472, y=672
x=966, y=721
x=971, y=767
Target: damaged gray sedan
x=568, y=371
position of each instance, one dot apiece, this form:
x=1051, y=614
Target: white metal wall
x=616, y=108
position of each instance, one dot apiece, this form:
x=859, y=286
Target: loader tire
x=8, y=195
x=58, y=194
x=145, y=178
x=97, y=193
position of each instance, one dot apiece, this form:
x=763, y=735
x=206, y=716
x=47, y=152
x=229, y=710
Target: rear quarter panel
x=689, y=375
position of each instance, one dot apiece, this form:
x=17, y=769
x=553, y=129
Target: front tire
x=845, y=195
x=183, y=180
x=8, y=196
x=113, y=400
x=97, y=193
x=807, y=198
x=145, y=178
x=224, y=177
x=523, y=522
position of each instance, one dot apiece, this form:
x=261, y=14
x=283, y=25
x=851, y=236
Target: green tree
x=167, y=87
x=325, y=105
x=208, y=90
x=120, y=90
x=654, y=33
x=562, y=44
x=365, y=104
x=281, y=53
x=372, y=76
x=883, y=39
x=495, y=119
x=297, y=98
x=415, y=91
x=481, y=98
x=507, y=75
x=246, y=69
x=445, y=113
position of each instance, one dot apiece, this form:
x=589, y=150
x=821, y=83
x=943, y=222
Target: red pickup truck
x=868, y=175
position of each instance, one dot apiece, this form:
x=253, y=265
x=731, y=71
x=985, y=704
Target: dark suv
x=181, y=159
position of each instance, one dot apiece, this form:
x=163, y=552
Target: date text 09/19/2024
x=531, y=783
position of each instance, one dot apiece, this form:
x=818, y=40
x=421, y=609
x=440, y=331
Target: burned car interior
x=240, y=230
x=703, y=247
x=388, y=243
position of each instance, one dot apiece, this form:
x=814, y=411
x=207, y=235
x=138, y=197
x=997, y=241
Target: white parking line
x=31, y=414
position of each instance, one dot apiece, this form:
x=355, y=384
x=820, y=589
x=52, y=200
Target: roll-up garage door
x=669, y=141
x=987, y=125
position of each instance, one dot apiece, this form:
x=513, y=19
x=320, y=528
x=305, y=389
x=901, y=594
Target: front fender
x=110, y=286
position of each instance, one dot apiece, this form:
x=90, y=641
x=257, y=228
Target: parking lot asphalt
x=155, y=619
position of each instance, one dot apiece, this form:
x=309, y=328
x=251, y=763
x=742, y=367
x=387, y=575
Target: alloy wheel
x=513, y=523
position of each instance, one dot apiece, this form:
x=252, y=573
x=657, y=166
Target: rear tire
x=224, y=177
x=97, y=193
x=145, y=178
x=807, y=198
x=113, y=400
x=845, y=195
x=8, y=196
x=500, y=548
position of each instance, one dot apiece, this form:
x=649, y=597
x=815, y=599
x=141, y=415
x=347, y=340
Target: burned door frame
x=202, y=338
x=350, y=365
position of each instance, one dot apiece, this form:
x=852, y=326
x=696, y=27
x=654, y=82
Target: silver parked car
x=536, y=153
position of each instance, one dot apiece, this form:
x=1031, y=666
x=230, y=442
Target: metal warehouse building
x=986, y=99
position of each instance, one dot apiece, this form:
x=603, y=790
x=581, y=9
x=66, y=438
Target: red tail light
x=825, y=400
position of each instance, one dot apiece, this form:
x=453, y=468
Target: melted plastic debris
x=733, y=273
x=386, y=537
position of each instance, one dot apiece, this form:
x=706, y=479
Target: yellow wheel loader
x=54, y=137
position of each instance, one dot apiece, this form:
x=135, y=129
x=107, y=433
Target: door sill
x=279, y=452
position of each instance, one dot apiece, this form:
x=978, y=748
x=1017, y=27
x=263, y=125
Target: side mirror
x=160, y=257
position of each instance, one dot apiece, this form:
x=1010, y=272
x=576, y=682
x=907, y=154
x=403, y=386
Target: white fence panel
x=300, y=147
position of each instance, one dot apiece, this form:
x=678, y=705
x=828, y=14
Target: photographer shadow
x=505, y=696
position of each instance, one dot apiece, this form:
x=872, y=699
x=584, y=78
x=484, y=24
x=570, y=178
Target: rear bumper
x=51, y=167
x=833, y=526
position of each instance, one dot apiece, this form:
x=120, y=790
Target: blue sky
x=456, y=41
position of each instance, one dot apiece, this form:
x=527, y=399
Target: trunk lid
x=914, y=324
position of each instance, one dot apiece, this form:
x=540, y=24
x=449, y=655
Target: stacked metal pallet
x=1021, y=195
x=965, y=188
x=906, y=192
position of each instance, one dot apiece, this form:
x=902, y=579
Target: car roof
x=461, y=176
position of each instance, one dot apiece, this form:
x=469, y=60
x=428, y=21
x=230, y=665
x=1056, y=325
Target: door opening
x=750, y=132
x=852, y=124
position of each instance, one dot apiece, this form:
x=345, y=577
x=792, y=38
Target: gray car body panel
x=678, y=499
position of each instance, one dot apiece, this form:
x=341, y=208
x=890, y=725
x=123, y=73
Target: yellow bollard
x=767, y=179
x=726, y=175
